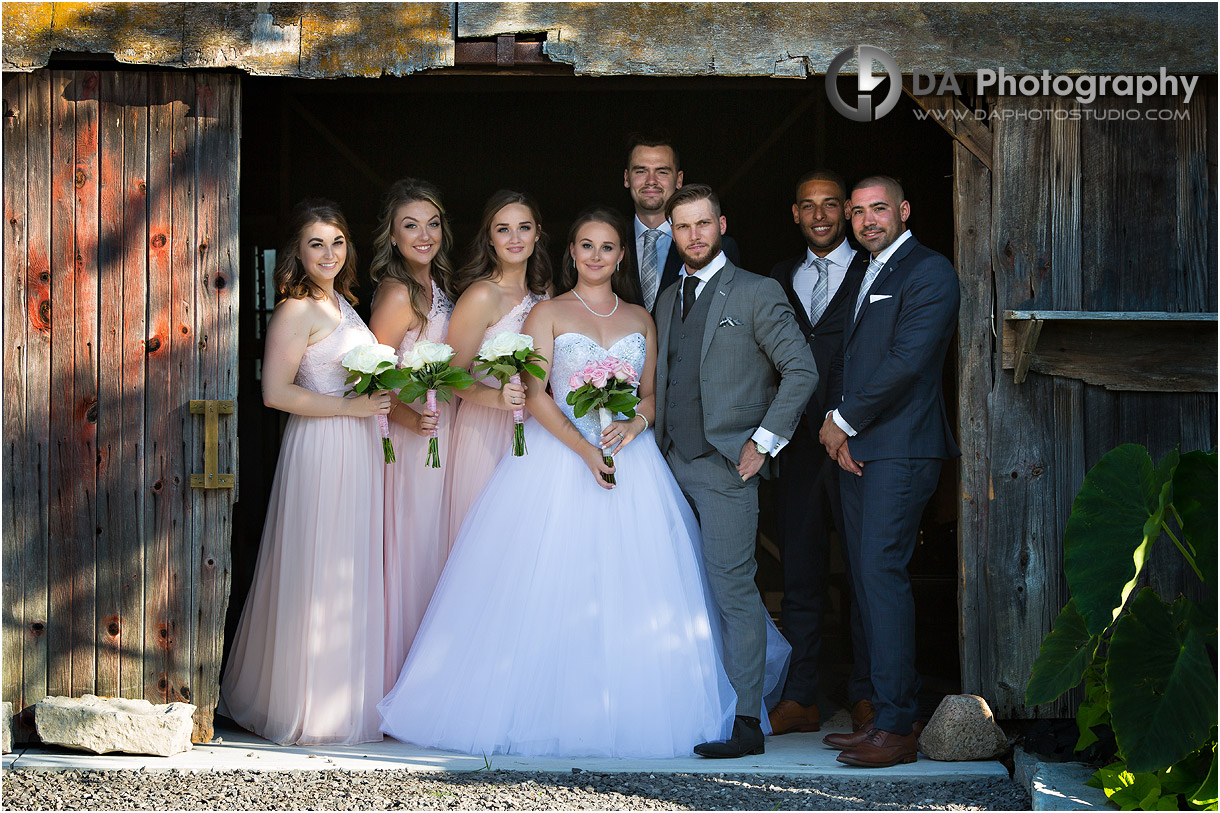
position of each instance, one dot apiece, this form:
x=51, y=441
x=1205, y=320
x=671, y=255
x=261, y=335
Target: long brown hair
x=291, y=281
x=388, y=262
x=483, y=263
x=623, y=282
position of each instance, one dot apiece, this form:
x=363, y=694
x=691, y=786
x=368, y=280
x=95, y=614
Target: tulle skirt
x=307, y=664
x=416, y=535
x=570, y=620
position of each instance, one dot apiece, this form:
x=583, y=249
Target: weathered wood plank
x=182, y=381
x=135, y=287
x=61, y=636
x=1023, y=546
x=158, y=469
x=955, y=119
x=111, y=295
x=213, y=324
x=972, y=259
x=36, y=471
x=16, y=499
x=84, y=369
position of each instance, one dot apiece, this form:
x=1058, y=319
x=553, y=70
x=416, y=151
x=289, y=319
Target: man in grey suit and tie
x=734, y=375
x=887, y=428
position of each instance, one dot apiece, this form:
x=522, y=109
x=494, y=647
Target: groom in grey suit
x=734, y=375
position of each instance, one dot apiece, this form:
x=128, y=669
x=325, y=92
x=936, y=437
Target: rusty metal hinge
x=211, y=412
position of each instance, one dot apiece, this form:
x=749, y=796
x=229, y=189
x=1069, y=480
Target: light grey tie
x=648, y=267
x=821, y=290
x=874, y=268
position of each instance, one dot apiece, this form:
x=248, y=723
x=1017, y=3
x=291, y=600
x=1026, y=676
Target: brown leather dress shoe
x=789, y=716
x=841, y=741
x=881, y=750
x=862, y=715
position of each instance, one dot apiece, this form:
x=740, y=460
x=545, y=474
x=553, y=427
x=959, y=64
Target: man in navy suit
x=889, y=433
x=651, y=177
x=821, y=286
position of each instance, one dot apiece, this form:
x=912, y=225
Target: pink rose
x=624, y=372
x=599, y=378
x=575, y=382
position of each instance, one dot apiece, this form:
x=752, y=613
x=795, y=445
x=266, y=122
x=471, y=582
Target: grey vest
x=684, y=412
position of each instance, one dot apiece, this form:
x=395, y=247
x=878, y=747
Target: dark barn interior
x=561, y=138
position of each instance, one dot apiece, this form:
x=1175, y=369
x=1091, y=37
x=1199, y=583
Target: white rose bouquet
x=504, y=357
x=374, y=367
x=431, y=376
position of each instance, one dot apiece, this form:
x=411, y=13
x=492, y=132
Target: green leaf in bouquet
x=363, y=384
x=353, y=375
x=412, y=391
x=443, y=393
x=534, y=370
x=457, y=378
x=393, y=379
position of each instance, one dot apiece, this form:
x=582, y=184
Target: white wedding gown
x=572, y=620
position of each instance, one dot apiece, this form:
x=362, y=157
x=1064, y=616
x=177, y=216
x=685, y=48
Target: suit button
x=682, y=336
x=673, y=404
x=847, y=355
x=679, y=358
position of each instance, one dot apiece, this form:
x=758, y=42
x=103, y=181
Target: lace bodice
x=572, y=352
x=321, y=367
x=438, y=322
x=510, y=322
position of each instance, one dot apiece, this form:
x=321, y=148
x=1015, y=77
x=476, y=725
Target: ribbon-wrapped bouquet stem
x=431, y=376
x=374, y=367
x=505, y=357
x=609, y=386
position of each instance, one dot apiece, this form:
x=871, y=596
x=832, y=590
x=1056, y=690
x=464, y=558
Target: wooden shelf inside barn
x=1126, y=350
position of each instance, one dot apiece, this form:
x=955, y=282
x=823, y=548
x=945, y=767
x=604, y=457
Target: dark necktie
x=689, y=284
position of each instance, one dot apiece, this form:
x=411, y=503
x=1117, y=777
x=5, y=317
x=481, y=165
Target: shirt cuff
x=772, y=443
x=842, y=424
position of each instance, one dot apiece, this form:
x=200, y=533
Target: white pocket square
x=728, y=321
x=878, y=297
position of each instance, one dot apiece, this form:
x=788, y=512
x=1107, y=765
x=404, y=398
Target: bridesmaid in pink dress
x=508, y=273
x=307, y=663
x=413, y=274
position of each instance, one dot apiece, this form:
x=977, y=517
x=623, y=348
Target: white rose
x=410, y=360
x=368, y=357
x=432, y=352
x=505, y=344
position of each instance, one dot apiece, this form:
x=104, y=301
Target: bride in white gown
x=572, y=618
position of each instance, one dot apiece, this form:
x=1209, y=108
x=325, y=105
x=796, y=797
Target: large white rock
x=106, y=724
x=962, y=728
x=6, y=737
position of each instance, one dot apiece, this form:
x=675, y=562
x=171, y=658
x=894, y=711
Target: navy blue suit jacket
x=826, y=337
x=886, y=380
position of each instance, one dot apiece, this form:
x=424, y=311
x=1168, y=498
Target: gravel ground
x=488, y=790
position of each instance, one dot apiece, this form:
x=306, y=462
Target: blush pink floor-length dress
x=307, y=664
x=416, y=510
x=481, y=435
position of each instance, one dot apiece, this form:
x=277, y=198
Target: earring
x=395, y=245
x=617, y=265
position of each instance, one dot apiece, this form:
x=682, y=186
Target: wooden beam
x=957, y=120
x=1025, y=339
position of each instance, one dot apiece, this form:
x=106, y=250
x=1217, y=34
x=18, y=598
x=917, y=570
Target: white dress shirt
x=767, y=442
x=807, y=275
x=882, y=257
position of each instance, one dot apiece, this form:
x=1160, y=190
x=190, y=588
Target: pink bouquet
x=609, y=385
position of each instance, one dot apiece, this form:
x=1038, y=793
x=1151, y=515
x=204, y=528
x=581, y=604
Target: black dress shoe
x=747, y=739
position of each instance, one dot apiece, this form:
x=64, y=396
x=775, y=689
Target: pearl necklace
x=595, y=313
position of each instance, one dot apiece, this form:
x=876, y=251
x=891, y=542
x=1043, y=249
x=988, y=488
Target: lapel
x=719, y=288
x=891, y=265
x=664, y=315
x=789, y=283
x=845, y=297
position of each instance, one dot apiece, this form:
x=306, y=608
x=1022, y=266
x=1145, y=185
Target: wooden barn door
x=119, y=309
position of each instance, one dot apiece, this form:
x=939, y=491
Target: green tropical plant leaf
x=1162, y=683
x=1064, y=655
x=1094, y=710
x=1204, y=796
x=1194, y=497
x=1106, y=541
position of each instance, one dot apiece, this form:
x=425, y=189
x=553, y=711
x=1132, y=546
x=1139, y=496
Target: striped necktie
x=874, y=268
x=821, y=290
x=648, y=267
